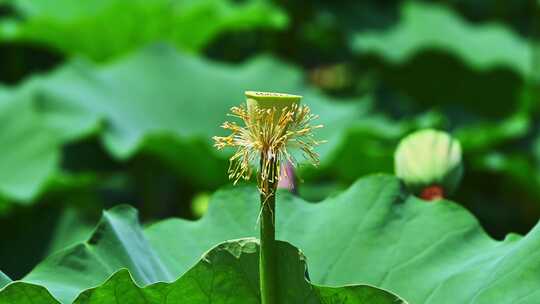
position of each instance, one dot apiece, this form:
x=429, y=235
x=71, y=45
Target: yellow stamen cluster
x=266, y=138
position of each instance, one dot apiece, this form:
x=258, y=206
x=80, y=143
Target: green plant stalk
x=268, y=255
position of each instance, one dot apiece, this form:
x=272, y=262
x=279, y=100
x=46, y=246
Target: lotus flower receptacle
x=274, y=125
x=269, y=100
x=428, y=159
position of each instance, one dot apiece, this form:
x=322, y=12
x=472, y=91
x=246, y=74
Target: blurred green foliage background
x=105, y=102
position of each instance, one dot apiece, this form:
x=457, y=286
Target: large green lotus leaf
x=107, y=28
x=373, y=233
x=30, y=162
x=163, y=103
x=480, y=69
x=160, y=102
x=141, y=274
x=4, y=279
x=31, y=149
x=482, y=47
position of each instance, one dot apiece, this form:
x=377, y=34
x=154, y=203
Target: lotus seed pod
x=428, y=159
x=268, y=100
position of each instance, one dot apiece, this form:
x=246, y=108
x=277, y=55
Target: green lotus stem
x=271, y=122
x=268, y=182
x=268, y=263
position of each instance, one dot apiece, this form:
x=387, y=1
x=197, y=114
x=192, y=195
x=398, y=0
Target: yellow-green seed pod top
x=429, y=158
x=268, y=100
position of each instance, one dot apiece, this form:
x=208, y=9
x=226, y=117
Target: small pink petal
x=287, y=180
